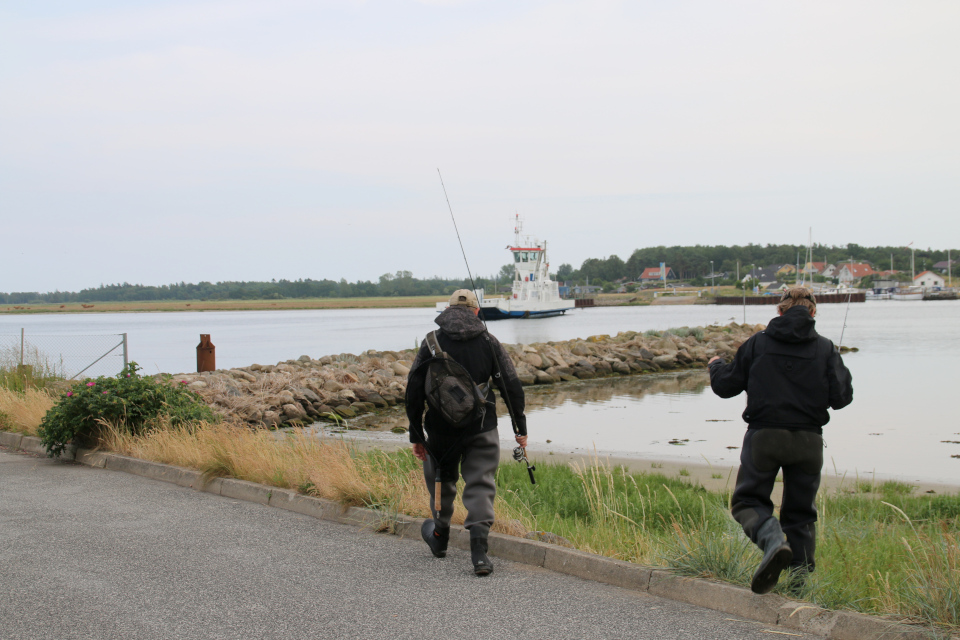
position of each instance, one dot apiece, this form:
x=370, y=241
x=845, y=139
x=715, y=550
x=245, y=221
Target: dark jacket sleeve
x=839, y=379
x=728, y=380
x=510, y=387
x=415, y=398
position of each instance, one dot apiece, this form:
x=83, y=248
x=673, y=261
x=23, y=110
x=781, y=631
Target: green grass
x=888, y=552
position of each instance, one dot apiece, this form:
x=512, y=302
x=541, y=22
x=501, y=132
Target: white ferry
x=533, y=294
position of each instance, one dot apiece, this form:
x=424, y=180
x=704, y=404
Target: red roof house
x=653, y=273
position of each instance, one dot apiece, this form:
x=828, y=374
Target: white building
x=928, y=279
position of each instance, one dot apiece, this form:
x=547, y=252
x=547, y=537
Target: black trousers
x=765, y=452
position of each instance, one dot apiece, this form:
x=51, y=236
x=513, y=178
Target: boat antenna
x=472, y=285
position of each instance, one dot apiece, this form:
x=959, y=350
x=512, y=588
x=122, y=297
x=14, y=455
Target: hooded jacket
x=461, y=337
x=791, y=375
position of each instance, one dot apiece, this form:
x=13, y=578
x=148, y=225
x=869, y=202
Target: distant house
x=829, y=271
x=766, y=275
x=888, y=274
x=783, y=269
x=853, y=271
x=928, y=279
x=651, y=274
x=814, y=268
x=944, y=265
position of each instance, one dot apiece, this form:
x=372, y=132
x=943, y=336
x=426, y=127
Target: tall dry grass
x=22, y=411
x=296, y=460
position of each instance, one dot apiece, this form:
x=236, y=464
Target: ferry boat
x=533, y=294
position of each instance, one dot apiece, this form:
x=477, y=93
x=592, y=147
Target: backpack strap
x=433, y=344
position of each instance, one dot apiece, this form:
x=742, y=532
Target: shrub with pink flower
x=128, y=401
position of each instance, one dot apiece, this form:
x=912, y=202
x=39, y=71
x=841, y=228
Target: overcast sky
x=157, y=142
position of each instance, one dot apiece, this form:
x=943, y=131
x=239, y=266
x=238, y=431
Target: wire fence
x=64, y=356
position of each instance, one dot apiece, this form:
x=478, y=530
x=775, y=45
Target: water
x=903, y=376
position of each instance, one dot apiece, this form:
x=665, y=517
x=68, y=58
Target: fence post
x=125, y=363
x=21, y=346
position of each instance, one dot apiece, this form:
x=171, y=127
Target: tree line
x=688, y=263
x=693, y=262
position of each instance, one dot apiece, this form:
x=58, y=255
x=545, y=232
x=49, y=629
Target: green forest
x=689, y=263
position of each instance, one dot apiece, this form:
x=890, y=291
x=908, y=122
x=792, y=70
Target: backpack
x=450, y=389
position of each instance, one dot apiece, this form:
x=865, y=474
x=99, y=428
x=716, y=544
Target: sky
x=158, y=142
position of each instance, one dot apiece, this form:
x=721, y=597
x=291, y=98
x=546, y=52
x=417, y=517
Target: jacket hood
x=795, y=325
x=460, y=323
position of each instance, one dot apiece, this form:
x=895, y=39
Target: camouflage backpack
x=450, y=389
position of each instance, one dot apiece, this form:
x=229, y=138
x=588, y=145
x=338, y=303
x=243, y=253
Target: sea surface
x=902, y=424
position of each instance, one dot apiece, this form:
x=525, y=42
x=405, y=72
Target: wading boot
x=776, y=556
x=436, y=538
x=478, y=554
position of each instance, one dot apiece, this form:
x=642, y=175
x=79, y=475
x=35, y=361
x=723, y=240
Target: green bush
x=129, y=401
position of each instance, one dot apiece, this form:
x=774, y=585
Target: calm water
x=904, y=375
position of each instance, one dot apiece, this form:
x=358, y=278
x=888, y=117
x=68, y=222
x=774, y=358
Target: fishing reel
x=520, y=455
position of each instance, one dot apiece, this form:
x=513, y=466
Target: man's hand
x=522, y=441
x=713, y=359
x=419, y=451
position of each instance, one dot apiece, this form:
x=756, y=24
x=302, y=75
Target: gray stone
x=294, y=411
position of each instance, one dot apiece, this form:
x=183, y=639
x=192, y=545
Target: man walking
x=792, y=376
x=474, y=450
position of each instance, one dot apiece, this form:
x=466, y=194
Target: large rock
x=294, y=411
x=581, y=349
x=545, y=378
x=665, y=361
x=271, y=419
x=534, y=360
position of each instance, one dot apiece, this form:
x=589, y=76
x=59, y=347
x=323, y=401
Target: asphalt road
x=91, y=553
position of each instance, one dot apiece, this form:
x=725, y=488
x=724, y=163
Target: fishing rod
x=519, y=453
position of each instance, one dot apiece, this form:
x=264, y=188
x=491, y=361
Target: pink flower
x=90, y=384
x=69, y=393
x=104, y=393
x=128, y=375
x=183, y=382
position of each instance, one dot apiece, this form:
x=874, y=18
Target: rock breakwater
x=335, y=387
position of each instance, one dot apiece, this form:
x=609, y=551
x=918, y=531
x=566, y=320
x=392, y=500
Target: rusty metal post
x=206, y=354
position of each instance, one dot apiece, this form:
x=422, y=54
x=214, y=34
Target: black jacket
x=791, y=375
x=461, y=336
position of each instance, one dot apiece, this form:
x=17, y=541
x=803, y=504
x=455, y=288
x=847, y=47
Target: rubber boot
x=776, y=556
x=436, y=538
x=478, y=554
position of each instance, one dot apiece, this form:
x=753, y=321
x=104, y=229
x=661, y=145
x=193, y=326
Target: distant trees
x=691, y=263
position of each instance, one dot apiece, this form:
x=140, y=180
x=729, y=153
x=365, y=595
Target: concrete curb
x=769, y=609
